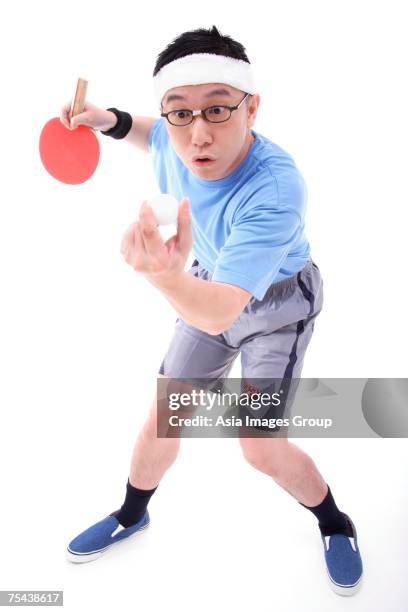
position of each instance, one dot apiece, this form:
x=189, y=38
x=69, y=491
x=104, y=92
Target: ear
x=253, y=109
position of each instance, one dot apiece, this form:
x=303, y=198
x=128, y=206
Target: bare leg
x=152, y=456
x=289, y=466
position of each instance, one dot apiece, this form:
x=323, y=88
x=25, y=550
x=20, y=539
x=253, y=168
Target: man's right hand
x=92, y=116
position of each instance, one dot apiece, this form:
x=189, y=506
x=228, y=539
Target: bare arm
x=138, y=134
x=208, y=305
x=102, y=120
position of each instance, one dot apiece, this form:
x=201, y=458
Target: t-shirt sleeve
x=259, y=242
x=156, y=135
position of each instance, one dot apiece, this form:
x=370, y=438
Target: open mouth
x=203, y=161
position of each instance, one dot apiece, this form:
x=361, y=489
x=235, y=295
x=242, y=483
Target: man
x=253, y=288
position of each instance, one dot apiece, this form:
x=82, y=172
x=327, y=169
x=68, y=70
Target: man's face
x=226, y=144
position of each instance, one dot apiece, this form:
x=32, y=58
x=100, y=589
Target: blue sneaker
x=94, y=541
x=343, y=561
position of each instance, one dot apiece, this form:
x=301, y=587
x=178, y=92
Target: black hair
x=200, y=41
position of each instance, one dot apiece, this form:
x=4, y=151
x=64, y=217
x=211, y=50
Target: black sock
x=331, y=520
x=134, y=506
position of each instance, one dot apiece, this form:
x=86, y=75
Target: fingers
x=72, y=122
x=152, y=240
x=171, y=244
x=139, y=248
x=80, y=119
x=64, y=114
x=143, y=246
x=132, y=247
x=127, y=241
x=184, y=233
x=87, y=117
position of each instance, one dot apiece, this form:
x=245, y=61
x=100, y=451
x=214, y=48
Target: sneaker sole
x=345, y=591
x=74, y=557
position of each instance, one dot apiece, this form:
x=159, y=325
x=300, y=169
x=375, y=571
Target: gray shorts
x=271, y=334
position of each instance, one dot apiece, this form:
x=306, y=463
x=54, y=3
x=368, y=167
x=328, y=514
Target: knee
x=253, y=451
x=264, y=454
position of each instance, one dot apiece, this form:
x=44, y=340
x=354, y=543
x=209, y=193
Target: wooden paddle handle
x=78, y=103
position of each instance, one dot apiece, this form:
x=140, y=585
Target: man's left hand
x=143, y=247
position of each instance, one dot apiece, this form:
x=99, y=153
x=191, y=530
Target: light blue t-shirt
x=248, y=227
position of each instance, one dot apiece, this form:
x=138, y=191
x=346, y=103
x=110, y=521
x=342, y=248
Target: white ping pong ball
x=165, y=208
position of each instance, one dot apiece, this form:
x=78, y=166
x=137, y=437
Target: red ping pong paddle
x=70, y=156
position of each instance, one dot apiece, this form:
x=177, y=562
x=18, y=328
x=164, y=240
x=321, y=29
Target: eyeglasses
x=213, y=114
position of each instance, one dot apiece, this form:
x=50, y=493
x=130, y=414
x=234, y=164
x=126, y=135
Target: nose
x=200, y=132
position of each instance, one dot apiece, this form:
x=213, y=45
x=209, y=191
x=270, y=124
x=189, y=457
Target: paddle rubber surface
x=70, y=156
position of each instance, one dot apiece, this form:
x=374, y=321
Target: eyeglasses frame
x=202, y=112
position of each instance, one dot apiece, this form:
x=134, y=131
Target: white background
x=82, y=334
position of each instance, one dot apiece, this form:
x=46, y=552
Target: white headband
x=201, y=68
